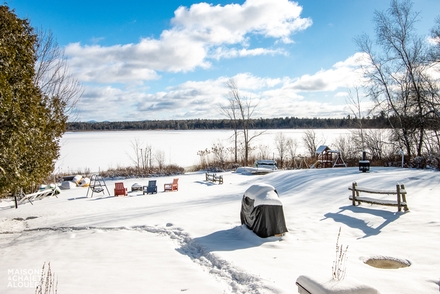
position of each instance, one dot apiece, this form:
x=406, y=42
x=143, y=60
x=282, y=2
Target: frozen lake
x=110, y=149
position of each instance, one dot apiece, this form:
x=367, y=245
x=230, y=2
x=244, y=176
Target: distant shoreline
x=226, y=124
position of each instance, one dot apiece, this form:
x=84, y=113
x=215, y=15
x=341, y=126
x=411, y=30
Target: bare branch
x=52, y=73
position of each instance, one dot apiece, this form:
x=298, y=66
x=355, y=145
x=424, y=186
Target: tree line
x=220, y=124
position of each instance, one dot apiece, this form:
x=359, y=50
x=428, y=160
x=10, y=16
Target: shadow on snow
x=361, y=224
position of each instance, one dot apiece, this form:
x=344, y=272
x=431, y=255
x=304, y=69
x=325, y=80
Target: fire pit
x=364, y=164
x=387, y=262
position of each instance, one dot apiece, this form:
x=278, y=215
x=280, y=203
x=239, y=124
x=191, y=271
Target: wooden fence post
x=354, y=193
x=399, y=207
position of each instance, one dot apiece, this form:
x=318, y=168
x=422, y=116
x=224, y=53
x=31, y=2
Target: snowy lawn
x=192, y=241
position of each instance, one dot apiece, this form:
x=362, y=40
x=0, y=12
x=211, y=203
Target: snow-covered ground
x=192, y=241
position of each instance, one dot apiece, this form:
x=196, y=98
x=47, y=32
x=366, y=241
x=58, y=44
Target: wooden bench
x=214, y=178
x=400, y=193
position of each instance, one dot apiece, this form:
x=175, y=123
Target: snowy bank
x=192, y=240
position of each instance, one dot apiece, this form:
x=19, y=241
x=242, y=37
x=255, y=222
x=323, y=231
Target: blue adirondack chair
x=151, y=188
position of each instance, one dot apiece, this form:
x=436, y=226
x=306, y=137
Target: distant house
x=327, y=157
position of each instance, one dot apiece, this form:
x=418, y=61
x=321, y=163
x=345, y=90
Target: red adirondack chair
x=120, y=189
x=174, y=186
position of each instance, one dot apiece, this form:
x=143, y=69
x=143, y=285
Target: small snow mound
x=325, y=286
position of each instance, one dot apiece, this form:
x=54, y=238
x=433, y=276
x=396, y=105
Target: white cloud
x=202, y=99
x=232, y=22
x=247, y=81
x=198, y=33
x=435, y=41
x=343, y=74
x=341, y=94
x=224, y=52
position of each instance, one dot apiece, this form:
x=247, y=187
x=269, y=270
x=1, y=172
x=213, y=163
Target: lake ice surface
x=102, y=150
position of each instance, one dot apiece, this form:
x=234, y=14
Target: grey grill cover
x=262, y=211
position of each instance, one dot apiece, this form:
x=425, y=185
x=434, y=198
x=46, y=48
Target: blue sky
x=139, y=60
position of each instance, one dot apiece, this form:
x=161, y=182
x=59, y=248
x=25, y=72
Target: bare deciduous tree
x=281, y=145
x=160, y=159
x=231, y=112
x=310, y=142
x=264, y=151
x=354, y=104
x=240, y=110
x=204, y=157
x=292, y=146
x=346, y=146
x=399, y=77
x=142, y=157
x=52, y=73
x=220, y=153
x=136, y=159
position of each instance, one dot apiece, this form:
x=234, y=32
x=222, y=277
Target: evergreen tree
x=31, y=123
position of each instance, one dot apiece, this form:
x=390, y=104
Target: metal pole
x=403, y=156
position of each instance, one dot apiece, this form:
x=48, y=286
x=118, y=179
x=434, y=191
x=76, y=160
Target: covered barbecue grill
x=262, y=211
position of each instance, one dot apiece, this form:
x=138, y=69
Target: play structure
x=327, y=157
